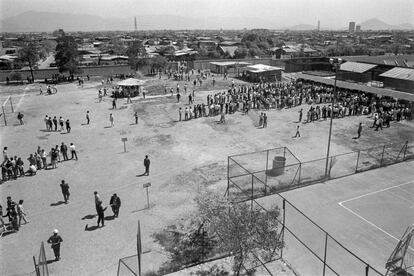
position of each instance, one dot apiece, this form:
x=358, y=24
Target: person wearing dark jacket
x=115, y=203
x=55, y=241
x=147, y=164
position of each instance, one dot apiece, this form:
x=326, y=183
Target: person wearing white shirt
x=73, y=151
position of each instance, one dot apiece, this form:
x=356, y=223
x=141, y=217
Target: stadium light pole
x=336, y=63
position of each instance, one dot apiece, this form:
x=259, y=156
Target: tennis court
x=367, y=213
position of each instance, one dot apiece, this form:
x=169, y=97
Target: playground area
x=186, y=157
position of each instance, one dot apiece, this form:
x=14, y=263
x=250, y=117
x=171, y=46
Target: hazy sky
x=335, y=13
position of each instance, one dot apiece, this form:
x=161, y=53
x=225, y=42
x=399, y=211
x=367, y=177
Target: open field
x=185, y=158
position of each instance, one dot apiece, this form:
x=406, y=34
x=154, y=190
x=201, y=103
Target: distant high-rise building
x=351, y=27
x=358, y=28
x=135, y=24
x=319, y=25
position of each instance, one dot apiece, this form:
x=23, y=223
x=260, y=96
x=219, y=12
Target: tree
x=246, y=232
x=135, y=52
x=29, y=54
x=240, y=53
x=158, y=63
x=67, y=54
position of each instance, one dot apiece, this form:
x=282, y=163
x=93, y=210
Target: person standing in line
x=64, y=151
x=180, y=111
x=297, y=132
x=359, y=130
x=264, y=120
x=46, y=120
x=55, y=122
x=43, y=155
x=115, y=203
x=261, y=120
x=73, y=151
x=61, y=121
x=65, y=191
x=136, y=117
x=68, y=128
x=101, y=213
x=87, y=117
x=55, y=242
x=21, y=213
x=111, y=119
x=300, y=115
x=147, y=163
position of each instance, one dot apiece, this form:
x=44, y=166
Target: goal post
x=7, y=108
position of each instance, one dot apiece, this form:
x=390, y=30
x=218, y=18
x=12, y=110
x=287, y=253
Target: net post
x=367, y=270
x=300, y=171
x=228, y=177
x=252, y=193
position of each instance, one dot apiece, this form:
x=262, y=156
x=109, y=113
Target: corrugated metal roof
x=354, y=86
x=399, y=73
x=357, y=67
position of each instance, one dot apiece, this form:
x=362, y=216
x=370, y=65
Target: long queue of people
x=290, y=94
x=13, y=167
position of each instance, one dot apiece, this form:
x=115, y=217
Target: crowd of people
x=278, y=95
x=41, y=159
x=15, y=214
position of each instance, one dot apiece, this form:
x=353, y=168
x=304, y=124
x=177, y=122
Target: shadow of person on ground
x=51, y=261
x=91, y=228
x=110, y=217
x=60, y=202
x=139, y=175
x=89, y=217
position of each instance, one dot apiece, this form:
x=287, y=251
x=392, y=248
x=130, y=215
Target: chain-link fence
x=277, y=170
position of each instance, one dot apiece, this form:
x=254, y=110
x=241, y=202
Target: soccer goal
x=7, y=110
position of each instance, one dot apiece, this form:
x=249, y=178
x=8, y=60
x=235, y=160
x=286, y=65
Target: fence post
x=283, y=226
x=382, y=155
x=267, y=167
x=357, y=163
x=119, y=265
x=228, y=177
x=252, y=192
x=405, y=149
x=324, y=255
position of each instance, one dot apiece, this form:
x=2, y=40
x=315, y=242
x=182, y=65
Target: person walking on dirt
x=359, y=130
x=297, y=132
x=20, y=118
x=147, y=163
x=65, y=190
x=55, y=240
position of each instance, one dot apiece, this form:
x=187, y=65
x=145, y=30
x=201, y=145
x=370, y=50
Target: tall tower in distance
x=319, y=25
x=351, y=28
x=135, y=24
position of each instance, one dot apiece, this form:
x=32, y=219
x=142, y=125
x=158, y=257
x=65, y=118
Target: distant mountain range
x=373, y=24
x=34, y=21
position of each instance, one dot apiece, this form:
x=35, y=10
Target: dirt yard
x=186, y=157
